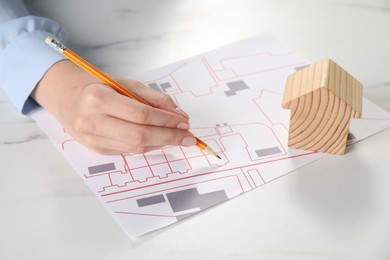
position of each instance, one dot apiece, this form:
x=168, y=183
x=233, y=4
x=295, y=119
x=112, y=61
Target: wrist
x=60, y=82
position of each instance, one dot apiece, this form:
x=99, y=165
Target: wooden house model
x=322, y=98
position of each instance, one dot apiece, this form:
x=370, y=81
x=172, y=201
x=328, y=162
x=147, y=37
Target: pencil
x=61, y=48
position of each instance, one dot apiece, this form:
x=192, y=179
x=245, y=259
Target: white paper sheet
x=233, y=95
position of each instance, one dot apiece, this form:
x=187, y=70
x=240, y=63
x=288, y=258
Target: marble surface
x=335, y=208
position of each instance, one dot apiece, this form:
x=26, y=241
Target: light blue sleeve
x=24, y=55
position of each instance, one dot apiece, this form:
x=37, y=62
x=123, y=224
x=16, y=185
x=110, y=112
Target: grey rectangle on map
x=268, y=151
x=101, y=168
x=154, y=86
x=301, y=67
x=183, y=216
x=183, y=199
x=165, y=86
x=351, y=136
x=150, y=200
x=191, y=199
x=212, y=198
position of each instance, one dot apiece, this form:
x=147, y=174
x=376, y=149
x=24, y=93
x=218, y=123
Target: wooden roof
x=324, y=74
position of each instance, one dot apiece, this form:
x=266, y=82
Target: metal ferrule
x=55, y=44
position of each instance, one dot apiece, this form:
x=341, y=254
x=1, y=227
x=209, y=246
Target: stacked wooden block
x=322, y=98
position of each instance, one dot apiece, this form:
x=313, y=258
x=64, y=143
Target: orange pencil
x=58, y=46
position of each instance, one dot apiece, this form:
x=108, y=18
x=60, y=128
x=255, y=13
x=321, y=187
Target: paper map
x=233, y=95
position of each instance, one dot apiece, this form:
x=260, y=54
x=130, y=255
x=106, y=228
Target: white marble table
x=335, y=208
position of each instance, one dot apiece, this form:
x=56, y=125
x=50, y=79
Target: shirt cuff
x=23, y=63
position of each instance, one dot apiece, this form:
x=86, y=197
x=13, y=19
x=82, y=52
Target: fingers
x=133, y=111
x=153, y=97
x=131, y=134
x=106, y=134
x=110, y=123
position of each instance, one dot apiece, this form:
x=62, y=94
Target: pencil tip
x=211, y=152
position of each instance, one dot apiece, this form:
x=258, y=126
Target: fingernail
x=183, y=126
x=188, y=141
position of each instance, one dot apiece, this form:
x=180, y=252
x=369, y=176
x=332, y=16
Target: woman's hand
x=106, y=121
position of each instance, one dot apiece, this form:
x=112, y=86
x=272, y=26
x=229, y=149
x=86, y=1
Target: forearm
x=106, y=121
x=24, y=56
x=61, y=81
x=91, y=112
